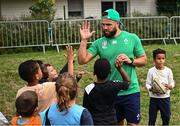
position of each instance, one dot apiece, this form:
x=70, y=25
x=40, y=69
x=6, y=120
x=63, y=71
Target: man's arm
x=83, y=55
x=138, y=61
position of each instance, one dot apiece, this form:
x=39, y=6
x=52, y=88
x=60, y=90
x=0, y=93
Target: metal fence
x=64, y=32
x=24, y=34
x=175, y=28
x=67, y=31
x=148, y=28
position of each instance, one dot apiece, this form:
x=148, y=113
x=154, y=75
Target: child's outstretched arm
x=123, y=73
x=70, y=58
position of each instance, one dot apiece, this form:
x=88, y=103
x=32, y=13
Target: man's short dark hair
x=26, y=103
x=102, y=68
x=28, y=69
x=158, y=51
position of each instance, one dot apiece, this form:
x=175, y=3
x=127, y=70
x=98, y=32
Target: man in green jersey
x=126, y=48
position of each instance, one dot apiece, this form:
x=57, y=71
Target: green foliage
x=43, y=9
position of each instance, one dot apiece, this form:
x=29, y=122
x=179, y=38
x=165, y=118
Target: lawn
x=10, y=81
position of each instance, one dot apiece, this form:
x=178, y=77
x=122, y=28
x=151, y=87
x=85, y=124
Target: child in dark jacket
x=99, y=97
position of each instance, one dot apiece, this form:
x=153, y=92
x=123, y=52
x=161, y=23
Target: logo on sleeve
x=114, y=42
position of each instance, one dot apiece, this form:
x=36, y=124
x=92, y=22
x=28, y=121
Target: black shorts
x=128, y=107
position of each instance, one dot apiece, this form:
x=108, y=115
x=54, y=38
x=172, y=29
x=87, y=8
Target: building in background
x=73, y=9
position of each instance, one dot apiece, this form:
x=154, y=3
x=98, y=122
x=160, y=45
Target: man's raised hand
x=85, y=31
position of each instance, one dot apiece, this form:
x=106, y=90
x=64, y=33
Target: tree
x=43, y=9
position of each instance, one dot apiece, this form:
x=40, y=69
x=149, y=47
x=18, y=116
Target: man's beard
x=110, y=34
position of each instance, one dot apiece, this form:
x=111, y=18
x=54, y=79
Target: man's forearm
x=140, y=61
x=82, y=52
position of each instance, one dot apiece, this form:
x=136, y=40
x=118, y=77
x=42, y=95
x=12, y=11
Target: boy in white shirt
x=159, y=101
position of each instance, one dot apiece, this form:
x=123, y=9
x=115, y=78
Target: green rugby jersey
x=109, y=48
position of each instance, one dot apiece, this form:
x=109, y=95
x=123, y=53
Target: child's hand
x=70, y=53
x=168, y=86
x=79, y=75
x=118, y=63
x=124, y=58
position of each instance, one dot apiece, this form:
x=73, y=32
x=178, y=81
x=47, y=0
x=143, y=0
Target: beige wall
x=15, y=8
x=60, y=9
x=92, y=8
x=143, y=6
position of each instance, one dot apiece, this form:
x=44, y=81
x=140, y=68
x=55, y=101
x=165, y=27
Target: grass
x=10, y=81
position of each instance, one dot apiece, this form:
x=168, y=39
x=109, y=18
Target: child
x=159, y=102
x=99, y=97
x=66, y=111
x=30, y=72
x=50, y=74
x=26, y=109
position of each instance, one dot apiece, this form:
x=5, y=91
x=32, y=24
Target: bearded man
x=117, y=46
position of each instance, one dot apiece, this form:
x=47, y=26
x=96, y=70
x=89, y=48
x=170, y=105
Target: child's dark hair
x=45, y=70
x=40, y=62
x=28, y=69
x=67, y=89
x=158, y=51
x=26, y=103
x=102, y=68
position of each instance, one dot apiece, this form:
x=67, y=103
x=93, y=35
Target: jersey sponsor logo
x=126, y=41
x=114, y=42
x=104, y=44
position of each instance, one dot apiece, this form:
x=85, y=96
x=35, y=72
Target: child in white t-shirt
x=159, y=101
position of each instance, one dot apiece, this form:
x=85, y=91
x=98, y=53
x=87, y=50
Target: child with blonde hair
x=66, y=111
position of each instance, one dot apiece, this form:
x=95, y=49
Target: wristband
x=132, y=61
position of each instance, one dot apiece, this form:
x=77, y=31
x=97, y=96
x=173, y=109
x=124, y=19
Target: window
x=120, y=6
x=75, y=8
x=106, y=5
